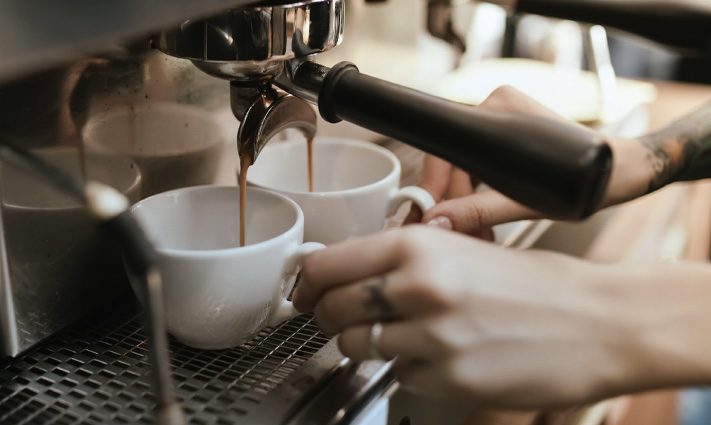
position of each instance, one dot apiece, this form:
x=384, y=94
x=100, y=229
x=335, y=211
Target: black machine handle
x=554, y=167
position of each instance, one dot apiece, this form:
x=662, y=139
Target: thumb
x=472, y=213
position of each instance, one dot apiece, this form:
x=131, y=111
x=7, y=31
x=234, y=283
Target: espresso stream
x=310, y=147
x=245, y=162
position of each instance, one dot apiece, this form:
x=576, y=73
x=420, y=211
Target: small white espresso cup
x=217, y=294
x=356, y=185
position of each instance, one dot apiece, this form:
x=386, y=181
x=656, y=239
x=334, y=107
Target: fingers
x=345, y=263
x=398, y=339
x=418, y=364
x=486, y=233
x=436, y=174
x=361, y=303
x=414, y=216
x=435, y=179
x=443, y=181
x=460, y=184
x=475, y=212
x=374, y=300
x=414, y=376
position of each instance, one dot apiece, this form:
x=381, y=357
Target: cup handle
x=286, y=309
x=419, y=196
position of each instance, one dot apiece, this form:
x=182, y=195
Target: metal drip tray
x=97, y=373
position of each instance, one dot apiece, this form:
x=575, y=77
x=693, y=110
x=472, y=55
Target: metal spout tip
x=270, y=113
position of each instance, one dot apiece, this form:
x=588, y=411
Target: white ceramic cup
x=356, y=185
x=217, y=294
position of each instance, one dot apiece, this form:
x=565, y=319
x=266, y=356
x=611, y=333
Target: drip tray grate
x=98, y=373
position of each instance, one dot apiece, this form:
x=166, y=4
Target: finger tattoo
x=376, y=297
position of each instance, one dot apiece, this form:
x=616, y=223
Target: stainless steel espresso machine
x=97, y=88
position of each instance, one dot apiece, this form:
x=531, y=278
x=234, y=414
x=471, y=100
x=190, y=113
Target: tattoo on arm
x=682, y=151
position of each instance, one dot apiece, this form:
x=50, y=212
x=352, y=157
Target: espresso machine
x=69, y=70
x=76, y=102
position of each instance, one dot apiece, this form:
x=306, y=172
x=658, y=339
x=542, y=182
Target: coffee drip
x=246, y=161
x=310, y=163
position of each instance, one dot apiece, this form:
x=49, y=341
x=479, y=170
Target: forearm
x=630, y=173
x=681, y=151
x=664, y=312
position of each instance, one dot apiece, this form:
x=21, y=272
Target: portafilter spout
x=249, y=46
x=264, y=112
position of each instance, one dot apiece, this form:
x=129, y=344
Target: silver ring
x=374, y=341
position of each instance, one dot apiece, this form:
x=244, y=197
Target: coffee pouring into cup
x=271, y=46
x=356, y=185
x=218, y=293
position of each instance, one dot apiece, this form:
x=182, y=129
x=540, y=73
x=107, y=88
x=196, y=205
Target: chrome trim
x=38, y=34
x=250, y=44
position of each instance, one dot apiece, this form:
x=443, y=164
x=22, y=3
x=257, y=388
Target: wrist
x=631, y=175
x=663, y=324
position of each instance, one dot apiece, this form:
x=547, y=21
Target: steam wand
x=110, y=208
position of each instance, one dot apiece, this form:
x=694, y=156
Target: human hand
x=465, y=210
x=471, y=320
x=462, y=208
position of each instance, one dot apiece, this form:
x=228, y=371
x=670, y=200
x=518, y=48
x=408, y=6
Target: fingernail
x=442, y=222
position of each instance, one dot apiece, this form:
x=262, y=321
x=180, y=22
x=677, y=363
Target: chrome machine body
x=63, y=66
